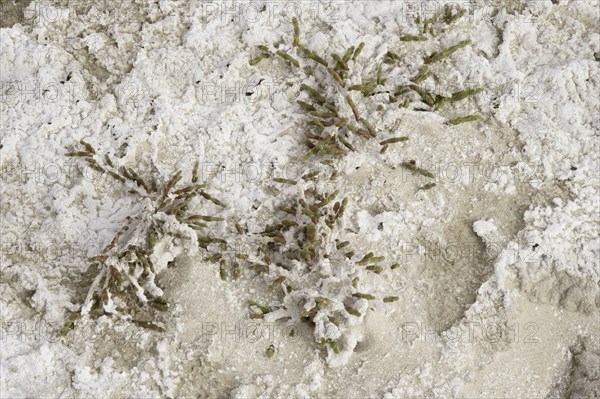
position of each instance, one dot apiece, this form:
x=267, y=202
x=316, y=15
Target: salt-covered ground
x=499, y=278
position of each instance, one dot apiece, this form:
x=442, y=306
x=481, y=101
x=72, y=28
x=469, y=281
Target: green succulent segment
x=270, y=352
x=423, y=74
x=296, y=40
x=413, y=38
x=313, y=56
x=336, y=76
x=427, y=186
x=358, y=51
x=464, y=119
x=394, y=140
x=288, y=58
x=412, y=167
x=440, y=55
x=353, y=311
x=263, y=309
x=457, y=96
x=426, y=97
x=450, y=16
x=258, y=58
x=375, y=268
x=334, y=346
x=364, y=296
x=285, y=181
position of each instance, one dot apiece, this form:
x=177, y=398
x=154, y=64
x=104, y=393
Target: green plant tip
x=423, y=74
x=411, y=166
x=440, y=55
x=313, y=56
x=212, y=199
x=412, y=38
x=353, y=107
x=285, y=181
x=460, y=95
x=296, y=40
x=358, y=50
x=205, y=218
x=334, y=346
x=394, y=140
x=336, y=77
x=352, y=311
x=364, y=296
x=306, y=105
x=258, y=59
x=263, y=309
x=375, y=269
x=87, y=146
x=340, y=61
x=369, y=127
x=365, y=89
x=322, y=301
x=365, y=259
x=313, y=93
x=348, y=54
x=270, y=352
x=427, y=186
x=288, y=58
x=464, y=119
